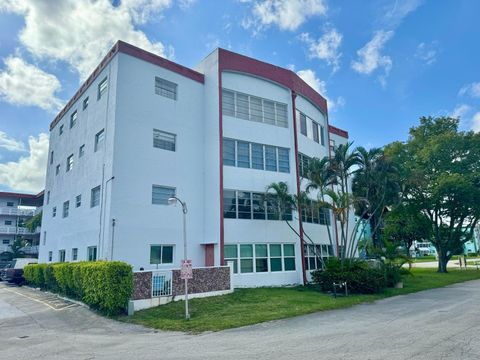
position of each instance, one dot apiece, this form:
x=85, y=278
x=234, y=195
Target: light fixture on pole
x=186, y=271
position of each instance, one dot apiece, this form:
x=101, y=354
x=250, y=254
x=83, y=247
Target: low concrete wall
x=207, y=281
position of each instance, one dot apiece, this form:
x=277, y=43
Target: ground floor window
x=50, y=255
x=313, y=254
x=74, y=254
x=260, y=258
x=61, y=255
x=161, y=254
x=92, y=253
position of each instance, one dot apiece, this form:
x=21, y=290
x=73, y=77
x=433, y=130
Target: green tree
x=34, y=222
x=16, y=248
x=441, y=177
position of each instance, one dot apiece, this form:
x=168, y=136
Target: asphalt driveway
x=435, y=324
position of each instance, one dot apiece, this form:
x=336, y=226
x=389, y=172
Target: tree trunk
x=442, y=262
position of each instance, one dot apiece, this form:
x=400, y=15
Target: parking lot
x=436, y=324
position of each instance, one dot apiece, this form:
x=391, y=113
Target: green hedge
x=103, y=285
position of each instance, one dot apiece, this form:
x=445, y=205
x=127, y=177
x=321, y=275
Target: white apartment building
x=15, y=210
x=143, y=128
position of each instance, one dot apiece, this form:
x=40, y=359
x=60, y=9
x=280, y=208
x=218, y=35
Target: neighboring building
x=143, y=128
x=15, y=210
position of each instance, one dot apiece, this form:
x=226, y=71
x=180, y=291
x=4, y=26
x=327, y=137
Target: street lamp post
x=173, y=201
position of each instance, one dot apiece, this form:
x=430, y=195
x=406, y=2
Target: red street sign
x=186, y=271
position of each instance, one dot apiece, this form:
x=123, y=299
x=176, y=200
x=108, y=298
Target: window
x=246, y=258
x=250, y=205
x=74, y=254
x=312, y=213
x=230, y=254
x=303, y=124
x=229, y=204
x=314, y=254
x=270, y=158
x=50, y=256
x=8, y=222
x=60, y=130
x=85, y=103
x=61, y=255
x=78, y=201
x=288, y=257
x=99, y=138
x=255, y=156
x=164, y=140
x=283, y=160
x=73, y=119
x=57, y=169
x=165, y=88
x=315, y=132
x=9, y=203
x=44, y=237
x=95, y=196
x=260, y=258
x=66, y=206
x=91, y=253
x=161, y=254
x=51, y=157
x=5, y=242
x=253, y=108
x=54, y=211
x=69, y=163
x=322, y=137
x=243, y=154
x=48, y=197
x=81, y=151
x=102, y=88
x=303, y=164
x=161, y=194
x=229, y=152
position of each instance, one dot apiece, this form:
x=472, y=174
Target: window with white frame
x=66, y=207
x=161, y=194
x=254, y=108
x=95, y=196
x=78, y=200
x=74, y=254
x=315, y=254
x=81, y=151
x=60, y=130
x=251, y=205
x=303, y=164
x=303, y=124
x=50, y=256
x=255, y=156
x=165, y=88
x=313, y=213
x=311, y=128
x=102, y=88
x=164, y=140
x=69, y=163
x=54, y=211
x=260, y=258
x=61, y=255
x=99, y=139
x=73, y=119
x=161, y=254
x=85, y=103
x=92, y=253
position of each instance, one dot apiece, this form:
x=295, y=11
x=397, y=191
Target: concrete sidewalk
x=435, y=324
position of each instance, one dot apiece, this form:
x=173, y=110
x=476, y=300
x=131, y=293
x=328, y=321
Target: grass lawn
x=251, y=306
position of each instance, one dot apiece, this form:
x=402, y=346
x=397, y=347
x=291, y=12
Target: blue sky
x=381, y=63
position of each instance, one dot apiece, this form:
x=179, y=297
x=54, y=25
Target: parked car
x=14, y=273
x=3, y=269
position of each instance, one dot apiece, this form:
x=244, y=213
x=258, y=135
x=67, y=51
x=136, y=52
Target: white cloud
x=461, y=111
x=28, y=173
x=25, y=84
x=476, y=122
x=286, y=14
x=320, y=86
x=472, y=90
x=80, y=32
x=326, y=47
x=370, y=57
x=427, y=52
x=393, y=15
x=10, y=144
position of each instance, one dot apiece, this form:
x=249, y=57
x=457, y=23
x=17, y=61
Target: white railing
x=15, y=231
x=30, y=250
x=161, y=283
x=16, y=211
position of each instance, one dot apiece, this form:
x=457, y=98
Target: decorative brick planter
x=142, y=285
x=204, y=280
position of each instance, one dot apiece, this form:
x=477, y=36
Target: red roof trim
x=231, y=61
x=131, y=50
x=19, y=195
x=337, y=131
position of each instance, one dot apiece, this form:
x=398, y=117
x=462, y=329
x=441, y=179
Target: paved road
x=435, y=324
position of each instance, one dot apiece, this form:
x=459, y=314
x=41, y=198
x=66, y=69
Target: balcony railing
x=16, y=211
x=17, y=231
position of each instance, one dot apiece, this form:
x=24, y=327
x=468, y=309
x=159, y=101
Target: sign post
x=186, y=273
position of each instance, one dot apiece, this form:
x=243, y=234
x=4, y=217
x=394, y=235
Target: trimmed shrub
x=103, y=285
x=360, y=277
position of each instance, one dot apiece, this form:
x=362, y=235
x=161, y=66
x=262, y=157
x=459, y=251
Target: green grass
x=252, y=306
